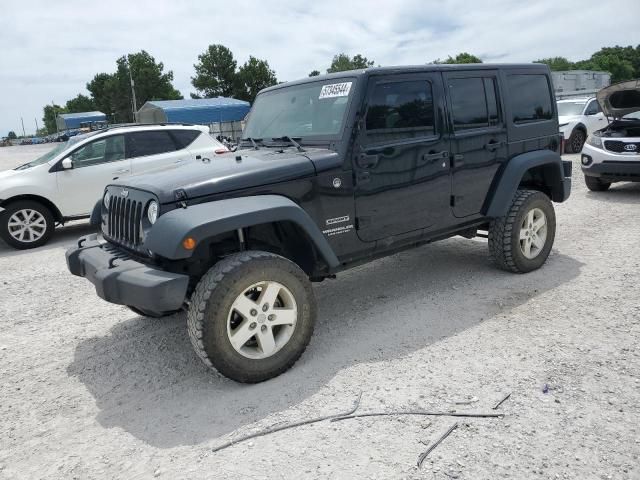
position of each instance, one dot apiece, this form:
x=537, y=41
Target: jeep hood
x=620, y=99
x=224, y=173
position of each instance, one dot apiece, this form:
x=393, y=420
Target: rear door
x=153, y=150
x=479, y=139
x=401, y=157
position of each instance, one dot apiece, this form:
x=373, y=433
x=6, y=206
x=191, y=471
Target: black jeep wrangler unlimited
x=333, y=171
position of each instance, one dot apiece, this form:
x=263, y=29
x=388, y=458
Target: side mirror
x=67, y=163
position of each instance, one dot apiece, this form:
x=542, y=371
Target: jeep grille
x=123, y=220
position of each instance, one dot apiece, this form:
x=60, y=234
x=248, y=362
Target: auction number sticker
x=335, y=90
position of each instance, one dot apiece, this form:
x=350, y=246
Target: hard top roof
x=429, y=67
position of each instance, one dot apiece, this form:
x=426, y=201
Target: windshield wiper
x=254, y=142
x=291, y=140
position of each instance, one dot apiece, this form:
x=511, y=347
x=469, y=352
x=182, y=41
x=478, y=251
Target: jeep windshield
x=308, y=110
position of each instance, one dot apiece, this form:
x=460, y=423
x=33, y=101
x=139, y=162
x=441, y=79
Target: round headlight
x=106, y=200
x=152, y=212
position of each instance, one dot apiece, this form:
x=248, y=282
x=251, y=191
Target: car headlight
x=152, y=212
x=594, y=141
x=106, y=200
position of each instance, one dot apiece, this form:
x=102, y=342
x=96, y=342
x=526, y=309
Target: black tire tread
x=209, y=283
x=595, y=184
x=500, y=231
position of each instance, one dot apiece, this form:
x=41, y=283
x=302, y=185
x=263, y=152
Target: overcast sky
x=51, y=49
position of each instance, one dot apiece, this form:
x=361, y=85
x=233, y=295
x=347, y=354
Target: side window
x=530, y=98
x=184, y=138
x=473, y=102
x=153, y=142
x=400, y=110
x=105, y=150
x=593, y=108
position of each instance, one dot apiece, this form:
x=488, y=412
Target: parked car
x=579, y=118
x=334, y=171
x=65, y=183
x=612, y=154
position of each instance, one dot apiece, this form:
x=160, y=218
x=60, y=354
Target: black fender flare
x=507, y=183
x=207, y=220
x=95, y=220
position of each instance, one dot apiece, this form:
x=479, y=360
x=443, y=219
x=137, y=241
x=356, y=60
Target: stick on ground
x=435, y=444
x=419, y=412
x=501, y=401
x=279, y=428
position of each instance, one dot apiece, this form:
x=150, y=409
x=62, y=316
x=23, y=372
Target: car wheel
x=576, y=141
x=26, y=224
x=595, y=184
x=252, y=316
x=521, y=241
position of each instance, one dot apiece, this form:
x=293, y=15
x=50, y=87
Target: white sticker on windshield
x=335, y=90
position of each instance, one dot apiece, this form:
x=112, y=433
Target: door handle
x=367, y=161
x=179, y=161
x=434, y=156
x=494, y=145
x=121, y=171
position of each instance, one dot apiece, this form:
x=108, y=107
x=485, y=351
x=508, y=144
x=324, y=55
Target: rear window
x=184, y=138
x=474, y=103
x=530, y=98
x=154, y=142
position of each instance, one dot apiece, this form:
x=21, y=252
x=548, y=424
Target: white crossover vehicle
x=612, y=154
x=65, y=183
x=579, y=118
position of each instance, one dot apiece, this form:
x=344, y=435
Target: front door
x=95, y=165
x=401, y=157
x=479, y=140
x=593, y=117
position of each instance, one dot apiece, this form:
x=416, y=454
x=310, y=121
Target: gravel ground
x=90, y=390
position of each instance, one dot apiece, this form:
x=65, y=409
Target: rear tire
x=595, y=184
x=576, y=141
x=252, y=316
x=26, y=224
x=521, y=241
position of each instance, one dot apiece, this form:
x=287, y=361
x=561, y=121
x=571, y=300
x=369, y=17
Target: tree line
x=217, y=73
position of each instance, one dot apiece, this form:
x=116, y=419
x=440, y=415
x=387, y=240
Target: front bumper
x=610, y=166
x=125, y=281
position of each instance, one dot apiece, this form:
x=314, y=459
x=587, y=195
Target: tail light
x=220, y=151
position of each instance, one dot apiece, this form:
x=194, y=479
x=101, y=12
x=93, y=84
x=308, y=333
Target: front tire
x=26, y=224
x=595, y=184
x=576, y=141
x=251, y=316
x=521, y=241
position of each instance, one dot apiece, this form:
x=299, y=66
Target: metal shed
x=66, y=121
x=205, y=111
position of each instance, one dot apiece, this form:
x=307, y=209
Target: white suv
x=65, y=183
x=612, y=154
x=579, y=118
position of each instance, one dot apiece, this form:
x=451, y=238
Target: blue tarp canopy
x=204, y=111
x=66, y=121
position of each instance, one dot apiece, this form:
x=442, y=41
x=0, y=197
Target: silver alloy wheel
x=27, y=225
x=262, y=320
x=533, y=233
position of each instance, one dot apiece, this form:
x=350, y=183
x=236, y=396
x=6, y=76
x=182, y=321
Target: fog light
x=189, y=243
x=586, y=160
